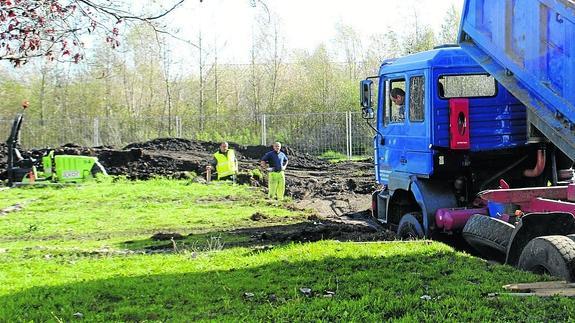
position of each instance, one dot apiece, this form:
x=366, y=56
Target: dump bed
x=529, y=47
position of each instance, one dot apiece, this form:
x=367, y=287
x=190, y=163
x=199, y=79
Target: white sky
x=305, y=23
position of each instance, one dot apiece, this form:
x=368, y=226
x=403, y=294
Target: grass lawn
x=84, y=252
x=336, y=157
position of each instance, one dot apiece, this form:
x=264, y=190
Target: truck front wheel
x=409, y=227
x=553, y=255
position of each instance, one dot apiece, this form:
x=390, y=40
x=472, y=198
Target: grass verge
x=87, y=258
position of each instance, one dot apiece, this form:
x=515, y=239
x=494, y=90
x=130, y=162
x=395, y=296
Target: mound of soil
x=307, y=176
x=174, y=144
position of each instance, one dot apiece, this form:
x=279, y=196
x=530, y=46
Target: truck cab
x=440, y=144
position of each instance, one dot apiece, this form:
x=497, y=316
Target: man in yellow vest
x=225, y=163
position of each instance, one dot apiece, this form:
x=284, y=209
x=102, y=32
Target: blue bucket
x=496, y=210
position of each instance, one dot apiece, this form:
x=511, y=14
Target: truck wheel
x=553, y=255
x=409, y=227
x=486, y=235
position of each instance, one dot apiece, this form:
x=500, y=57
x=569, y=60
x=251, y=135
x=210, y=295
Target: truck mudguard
x=432, y=195
x=429, y=195
x=535, y=225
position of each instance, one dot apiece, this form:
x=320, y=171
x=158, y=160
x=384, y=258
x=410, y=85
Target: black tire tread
x=481, y=230
x=564, y=245
x=409, y=226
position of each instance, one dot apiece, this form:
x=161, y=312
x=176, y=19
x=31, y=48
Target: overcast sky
x=305, y=23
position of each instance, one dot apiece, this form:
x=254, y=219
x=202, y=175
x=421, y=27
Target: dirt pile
x=174, y=144
x=306, y=176
x=331, y=180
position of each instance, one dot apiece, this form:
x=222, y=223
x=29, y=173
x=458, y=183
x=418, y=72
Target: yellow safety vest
x=227, y=165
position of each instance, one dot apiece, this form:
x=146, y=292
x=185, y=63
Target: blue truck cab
x=456, y=131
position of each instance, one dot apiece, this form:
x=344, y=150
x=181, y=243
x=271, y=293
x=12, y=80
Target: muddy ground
x=307, y=177
x=338, y=192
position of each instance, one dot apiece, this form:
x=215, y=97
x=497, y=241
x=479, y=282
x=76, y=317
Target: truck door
x=403, y=145
x=391, y=124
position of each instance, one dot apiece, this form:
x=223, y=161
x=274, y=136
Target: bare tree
x=349, y=43
x=201, y=65
x=450, y=26
x=165, y=54
x=420, y=37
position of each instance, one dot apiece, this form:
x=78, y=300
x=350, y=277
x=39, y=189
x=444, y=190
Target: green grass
x=336, y=156
x=80, y=250
x=122, y=208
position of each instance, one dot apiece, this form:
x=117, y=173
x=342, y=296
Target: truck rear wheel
x=553, y=255
x=409, y=227
x=489, y=236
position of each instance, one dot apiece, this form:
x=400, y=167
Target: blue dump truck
x=478, y=138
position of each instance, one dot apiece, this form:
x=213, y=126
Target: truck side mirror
x=365, y=99
x=365, y=92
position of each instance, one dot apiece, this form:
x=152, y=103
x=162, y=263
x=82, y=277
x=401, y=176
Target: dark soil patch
x=161, y=236
x=169, y=247
x=3, y=160
x=258, y=216
x=353, y=226
x=315, y=231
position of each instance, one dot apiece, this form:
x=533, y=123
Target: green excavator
x=50, y=168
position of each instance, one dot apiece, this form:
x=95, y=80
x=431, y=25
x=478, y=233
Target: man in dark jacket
x=276, y=162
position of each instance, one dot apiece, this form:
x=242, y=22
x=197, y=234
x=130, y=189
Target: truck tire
x=409, y=227
x=486, y=235
x=553, y=255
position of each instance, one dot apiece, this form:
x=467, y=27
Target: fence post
x=96, y=134
x=178, y=130
x=264, y=134
x=348, y=134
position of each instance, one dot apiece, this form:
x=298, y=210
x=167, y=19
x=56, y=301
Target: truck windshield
x=466, y=86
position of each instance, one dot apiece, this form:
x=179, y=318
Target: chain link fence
x=338, y=134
